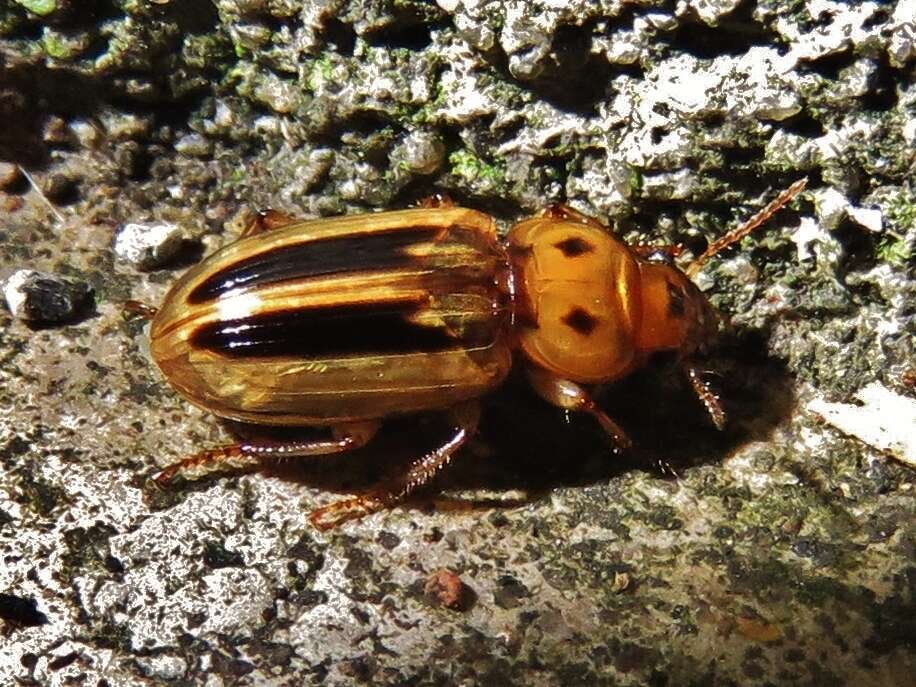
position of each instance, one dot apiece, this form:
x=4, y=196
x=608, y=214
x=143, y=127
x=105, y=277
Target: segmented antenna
x=736, y=235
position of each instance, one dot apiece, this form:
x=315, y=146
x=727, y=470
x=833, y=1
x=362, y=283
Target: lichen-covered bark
x=778, y=552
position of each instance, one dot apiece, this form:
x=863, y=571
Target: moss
x=40, y=496
x=663, y=517
x=39, y=7
x=322, y=71
x=902, y=212
x=87, y=549
x=422, y=11
x=894, y=249
x=218, y=556
x=635, y=182
x=468, y=166
x=205, y=51
x=54, y=46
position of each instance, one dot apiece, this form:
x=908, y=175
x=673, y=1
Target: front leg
x=464, y=420
x=568, y=395
x=251, y=454
x=709, y=400
x=563, y=213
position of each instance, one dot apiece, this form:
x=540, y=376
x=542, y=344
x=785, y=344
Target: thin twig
x=54, y=211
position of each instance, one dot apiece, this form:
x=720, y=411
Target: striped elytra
x=361, y=317
x=342, y=319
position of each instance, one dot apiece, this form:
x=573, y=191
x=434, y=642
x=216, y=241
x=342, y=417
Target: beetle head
x=675, y=314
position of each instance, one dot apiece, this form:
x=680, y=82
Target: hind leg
x=251, y=454
x=464, y=423
x=266, y=220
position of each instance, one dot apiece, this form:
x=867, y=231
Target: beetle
x=340, y=323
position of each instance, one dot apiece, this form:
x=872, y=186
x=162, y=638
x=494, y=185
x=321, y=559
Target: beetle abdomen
x=340, y=319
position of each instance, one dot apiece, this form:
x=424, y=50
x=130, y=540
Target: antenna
x=736, y=235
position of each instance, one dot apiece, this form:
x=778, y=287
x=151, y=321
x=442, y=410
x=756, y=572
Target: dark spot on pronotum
x=675, y=301
x=581, y=320
x=574, y=246
x=315, y=258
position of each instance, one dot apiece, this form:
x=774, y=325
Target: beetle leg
x=705, y=394
x=266, y=220
x=436, y=200
x=562, y=212
x=252, y=453
x=134, y=308
x=648, y=251
x=464, y=418
x=568, y=395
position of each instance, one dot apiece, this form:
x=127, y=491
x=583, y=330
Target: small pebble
x=148, y=245
x=869, y=218
x=448, y=5
x=86, y=134
x=194, y=145
x=164, y=667
x=59, y=188
x=9, y=175
x=43, y=298
x=57, y=132
x=423, y=152
x=445, y=588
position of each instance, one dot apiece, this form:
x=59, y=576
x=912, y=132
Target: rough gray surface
x=780, y=552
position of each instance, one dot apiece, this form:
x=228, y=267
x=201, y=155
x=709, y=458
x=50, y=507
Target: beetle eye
x=676, y=300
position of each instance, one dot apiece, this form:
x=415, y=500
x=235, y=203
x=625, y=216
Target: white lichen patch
x=870, y=218
x=466, y=96
x=844, y=25
x=831, y=206
x=809, y=231
x=885, y=420
x=902, y=44
x=708, y=10
x=745, y=469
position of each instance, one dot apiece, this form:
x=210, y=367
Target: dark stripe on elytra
x=360, y=329
x=315, y=258
x=580, y=320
